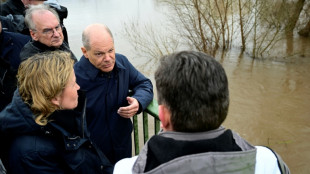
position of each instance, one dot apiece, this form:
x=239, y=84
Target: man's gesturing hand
x=130, y=110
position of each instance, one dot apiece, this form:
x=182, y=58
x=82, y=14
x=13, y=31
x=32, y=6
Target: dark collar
x=71, y=120
x=172, y=148
x=44, y=47
x=67, y=120
x=93, y=72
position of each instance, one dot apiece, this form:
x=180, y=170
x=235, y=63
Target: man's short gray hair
x=34, y=8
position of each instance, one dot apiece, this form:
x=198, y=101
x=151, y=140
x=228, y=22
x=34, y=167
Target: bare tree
x=152, y=43
x=213, y=25
x=241, y=26
x=293, y=15
x=204, y=24
x=267, y=27
x=304, y=21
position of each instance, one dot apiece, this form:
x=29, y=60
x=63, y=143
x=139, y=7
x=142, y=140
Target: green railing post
x=145, y=127
x=157, y=126
x=152, y=110
x=136, y=134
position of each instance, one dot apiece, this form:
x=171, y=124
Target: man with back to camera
x=107, y=77
x=45, y=30
x=193, y=99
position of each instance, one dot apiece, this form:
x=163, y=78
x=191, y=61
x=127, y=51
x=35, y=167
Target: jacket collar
x=173, y=149
x=92, y=72
x=218, y=159
x=193, y=136
x=41, y=46
x=72, y=124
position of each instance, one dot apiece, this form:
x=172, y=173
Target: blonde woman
x=44, y=127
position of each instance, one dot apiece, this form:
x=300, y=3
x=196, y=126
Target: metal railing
x=151, y=110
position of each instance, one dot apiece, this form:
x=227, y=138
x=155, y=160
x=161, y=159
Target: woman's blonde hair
x=41, y=78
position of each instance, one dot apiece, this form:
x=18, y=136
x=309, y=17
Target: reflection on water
x=270, y=99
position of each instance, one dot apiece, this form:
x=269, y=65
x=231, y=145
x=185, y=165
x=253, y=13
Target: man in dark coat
x=107, y=77
x=10, y=47
x=46, y=32
x=17, y=8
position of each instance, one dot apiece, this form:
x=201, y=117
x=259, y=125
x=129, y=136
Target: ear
x=164, y=116
x=56, y=101
x=84, y=51
x=33, y=35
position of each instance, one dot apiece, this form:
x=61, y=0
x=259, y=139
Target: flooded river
x=270, y=99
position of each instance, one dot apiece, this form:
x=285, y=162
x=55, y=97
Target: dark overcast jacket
x=106, y=93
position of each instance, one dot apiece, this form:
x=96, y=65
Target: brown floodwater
x=270, y=104
x=270, y=98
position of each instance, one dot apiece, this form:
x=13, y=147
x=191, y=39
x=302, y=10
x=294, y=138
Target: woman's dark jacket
x=62, y=146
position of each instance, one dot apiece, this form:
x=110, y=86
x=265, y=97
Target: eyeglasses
x=51, y=31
